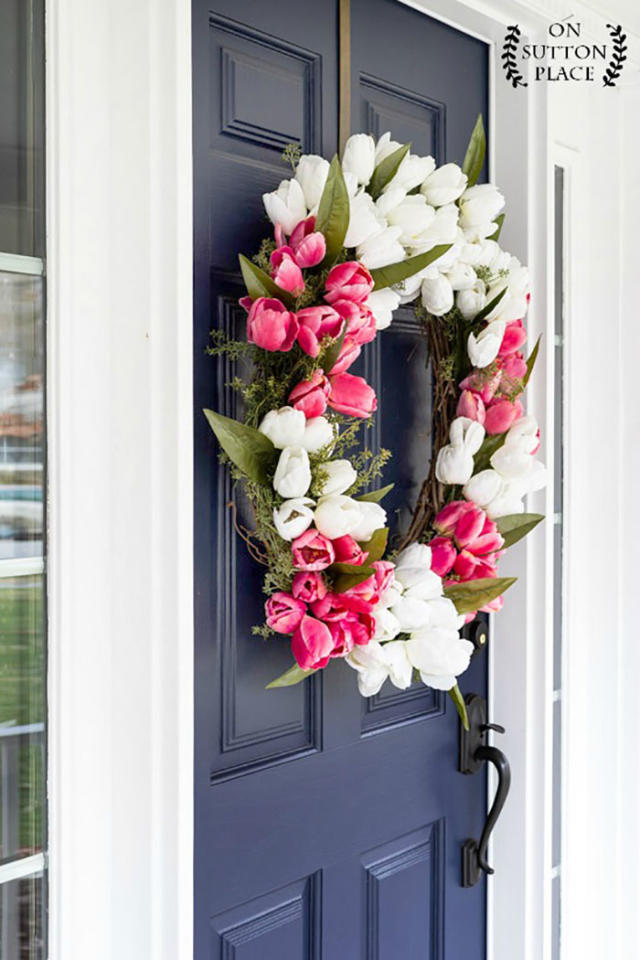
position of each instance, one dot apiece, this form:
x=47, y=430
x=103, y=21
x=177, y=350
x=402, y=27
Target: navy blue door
x=327, y=827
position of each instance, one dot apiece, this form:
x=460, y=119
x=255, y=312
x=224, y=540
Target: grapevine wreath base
x=352, y=241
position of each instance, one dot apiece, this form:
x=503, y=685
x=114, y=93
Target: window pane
x=21, y=415
x=22, y=714
x=22, y=919
x=22, y=127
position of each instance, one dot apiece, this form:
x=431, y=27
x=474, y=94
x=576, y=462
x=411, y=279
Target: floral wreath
x=352, y=241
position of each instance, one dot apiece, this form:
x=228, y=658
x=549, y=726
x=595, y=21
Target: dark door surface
x=327, y=826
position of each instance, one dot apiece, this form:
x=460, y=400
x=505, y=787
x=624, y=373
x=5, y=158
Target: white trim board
x=119, y=322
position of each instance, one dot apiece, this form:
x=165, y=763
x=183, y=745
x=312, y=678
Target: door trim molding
x=119, y=352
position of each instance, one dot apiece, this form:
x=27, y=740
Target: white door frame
x=120, y=431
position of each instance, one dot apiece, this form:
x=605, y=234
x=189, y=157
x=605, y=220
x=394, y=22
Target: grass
x=22, y=699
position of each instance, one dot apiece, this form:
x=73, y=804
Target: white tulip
x=337, y=515
x=442, y=229
x=524, y=434
x=484, y=348
x=440, y=656
x=318, y=433
x=398, y=664
x=420, y=583
x=385, y=147
x=455, y=460
x=413, y=170
x=437, y=295
x=388, y=201
x=286, y=205
x=483, y=487
x=409, y=288
x=351, y=183
x=340, y=475
x=471, y=300
x=387, y=626
x=284, y=427
x=382, y=303
x=413, y=216
x=412, y=613
x=462, y=276
x=514, y=460
x=381, y=249
x=372, y=517
x=364, y=220
x=311, y=173
x=293, y=473
x=293, y=517
x=444, y=185
x=372, y=666
x=359, y=156
x=443, y=613
x=416, y=555
x=479, y=206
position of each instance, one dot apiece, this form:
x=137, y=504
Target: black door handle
x=474, y=751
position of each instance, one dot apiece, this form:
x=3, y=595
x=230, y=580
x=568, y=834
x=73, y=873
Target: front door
x=327, y=827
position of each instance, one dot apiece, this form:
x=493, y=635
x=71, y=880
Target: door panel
x=327, y=826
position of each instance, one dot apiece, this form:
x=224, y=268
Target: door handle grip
x=498, y=759
x=474, y=752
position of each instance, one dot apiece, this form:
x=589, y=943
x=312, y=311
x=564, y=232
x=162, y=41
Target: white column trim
x=120, y=585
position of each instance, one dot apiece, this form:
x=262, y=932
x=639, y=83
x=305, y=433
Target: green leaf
x=375, y=496
x=499, y=220
x=260, y=284
x=386, y=170
x=250, y=450
x=330, y=356
x=293, y=675
x=470, y=596
x=456, y=695
x=349, y=575
x=515, y=526
x=486, y=310
x=377, y=545
x=531, y=363
x=333, y=213
x=474, y=157
x=397, y=272
x=491, y=443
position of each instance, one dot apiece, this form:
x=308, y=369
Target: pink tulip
x=471, y=405
x=348, y=281
x=352, y=629
x=363, y=597
x=308, y=246
x=514, y=337
x=245, y=303
x=284, y=612
x=482, y=383
x=489, y=540
x=312, y=644
x=469, y=526
x=312, y=551
x=352, y=395
x=286, y=272
x=513, y=366
x=494, y=606
x=446, y=520
x=443, y=555
x=384, y=573
x=361, y=323
x=348, y=550
x=315, y=324
x=470, y=567
x=310, y=396
x=279, y=234
x=309, y=586
x=349, y=353
x=501, y=414
x=329, y=608
x=270, y=325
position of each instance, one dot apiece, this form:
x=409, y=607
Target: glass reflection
x=21, y=415
x=22, y=919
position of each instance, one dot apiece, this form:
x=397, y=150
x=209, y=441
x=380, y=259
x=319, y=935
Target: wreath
x=352, y=241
